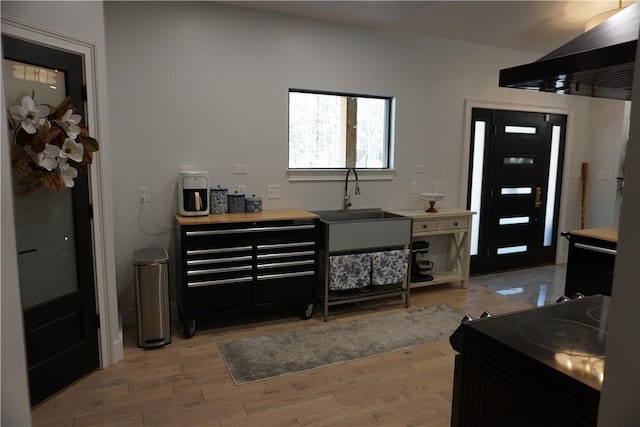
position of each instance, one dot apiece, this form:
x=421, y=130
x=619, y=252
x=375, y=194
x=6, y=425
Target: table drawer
x=454, y=223
x=425, y=225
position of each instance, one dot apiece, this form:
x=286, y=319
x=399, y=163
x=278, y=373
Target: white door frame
x=470, y=104
x=110, y=331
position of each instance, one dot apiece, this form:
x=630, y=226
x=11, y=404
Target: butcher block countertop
x=270, y=215
x=608, y=234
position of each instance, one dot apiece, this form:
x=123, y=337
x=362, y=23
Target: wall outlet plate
x=143, y=194
x=273, y=191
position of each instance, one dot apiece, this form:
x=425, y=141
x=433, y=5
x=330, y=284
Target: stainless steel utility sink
x=360, y=229
x=355, y=215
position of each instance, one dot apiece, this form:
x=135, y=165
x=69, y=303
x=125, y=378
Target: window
x=333, y=130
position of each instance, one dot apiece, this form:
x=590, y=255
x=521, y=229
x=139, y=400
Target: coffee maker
x=193, y=193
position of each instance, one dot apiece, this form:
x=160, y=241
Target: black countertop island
x=538, y=367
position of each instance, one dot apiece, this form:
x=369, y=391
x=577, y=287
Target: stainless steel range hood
x=598, y=63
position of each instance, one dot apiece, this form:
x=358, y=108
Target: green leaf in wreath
x=90, y=144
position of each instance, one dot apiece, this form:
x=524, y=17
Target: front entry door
x=53, y=233
x=520, y=188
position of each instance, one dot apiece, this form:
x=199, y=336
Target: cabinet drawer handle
x=285, y=245
x=250, y=230
x=285, y=275
x=455, y=224
x=218, y=260
x=218, y=251
x=286, y=254
x=220, y=282
x=424, y=225
x=596, y=249
x=218, y=270
x=286, y=264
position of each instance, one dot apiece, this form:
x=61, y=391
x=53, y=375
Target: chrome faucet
x=347, y=197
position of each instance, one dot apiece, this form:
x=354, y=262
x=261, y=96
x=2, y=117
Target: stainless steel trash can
x=152, y=297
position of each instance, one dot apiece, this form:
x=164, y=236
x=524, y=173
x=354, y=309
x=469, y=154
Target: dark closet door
x=53, y=233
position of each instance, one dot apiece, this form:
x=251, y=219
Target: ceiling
x=535, y=26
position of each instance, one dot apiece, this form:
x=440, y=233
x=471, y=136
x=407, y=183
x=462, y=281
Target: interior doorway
x=53, y=235
x=515, y=180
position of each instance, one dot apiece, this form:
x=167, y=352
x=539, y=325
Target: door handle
x=538, y=201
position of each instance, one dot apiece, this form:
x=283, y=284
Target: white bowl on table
x=430, y=200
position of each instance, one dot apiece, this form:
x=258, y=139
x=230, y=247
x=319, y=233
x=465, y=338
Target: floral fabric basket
x=389, y=267
x=351, y=271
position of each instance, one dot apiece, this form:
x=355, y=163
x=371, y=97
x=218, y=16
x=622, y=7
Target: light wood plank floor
x=186, y=382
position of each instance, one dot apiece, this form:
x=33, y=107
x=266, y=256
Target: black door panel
x=61, y=333
x=514, y=189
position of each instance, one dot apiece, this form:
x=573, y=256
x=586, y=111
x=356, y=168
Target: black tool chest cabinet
x=591, y=262
x=245, y=262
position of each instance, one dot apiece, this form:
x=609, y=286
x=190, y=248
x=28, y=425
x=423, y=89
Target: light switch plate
x=605, y=175
x=239, y=169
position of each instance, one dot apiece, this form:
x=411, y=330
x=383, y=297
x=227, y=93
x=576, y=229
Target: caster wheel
x=189, y=328
x=307, y=312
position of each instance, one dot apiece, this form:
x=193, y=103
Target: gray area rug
x=259, y=358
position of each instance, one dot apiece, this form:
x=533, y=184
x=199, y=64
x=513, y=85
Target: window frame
x=327, y=173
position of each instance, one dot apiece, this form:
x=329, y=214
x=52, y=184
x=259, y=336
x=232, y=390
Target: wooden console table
x=449, y=222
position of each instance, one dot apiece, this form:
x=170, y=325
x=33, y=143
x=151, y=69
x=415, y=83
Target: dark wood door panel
x=60, y=333
x=515, y=186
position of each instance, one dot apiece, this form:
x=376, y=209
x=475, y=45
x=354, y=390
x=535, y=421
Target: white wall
x=621, y=388
x=206, y=84
x=608, y=132
x=15, y=409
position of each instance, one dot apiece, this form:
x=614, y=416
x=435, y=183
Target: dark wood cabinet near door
x=592, y=258
x=235, y=262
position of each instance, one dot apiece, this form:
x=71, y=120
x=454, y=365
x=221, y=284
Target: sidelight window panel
x=551, y=185
x=476, y=183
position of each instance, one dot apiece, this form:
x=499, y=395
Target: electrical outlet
x=273, y=191
x=143, y=194
x=242, y=189
x=412, y=187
